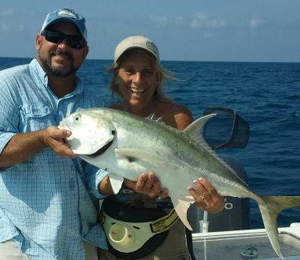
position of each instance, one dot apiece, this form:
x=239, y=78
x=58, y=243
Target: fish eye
x=77, y=118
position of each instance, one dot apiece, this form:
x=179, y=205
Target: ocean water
x=266, y=95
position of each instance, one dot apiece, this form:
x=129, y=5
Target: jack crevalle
x=127, y=145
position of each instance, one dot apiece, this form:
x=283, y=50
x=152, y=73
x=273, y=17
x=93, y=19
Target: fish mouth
x=63, y=125
x=103, y=149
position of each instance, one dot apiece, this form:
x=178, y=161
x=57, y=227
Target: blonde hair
x=162, y=74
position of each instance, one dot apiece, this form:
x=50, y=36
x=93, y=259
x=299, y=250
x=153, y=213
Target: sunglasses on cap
x=74, y=41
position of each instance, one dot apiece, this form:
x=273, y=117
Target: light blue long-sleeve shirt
x=46, y=204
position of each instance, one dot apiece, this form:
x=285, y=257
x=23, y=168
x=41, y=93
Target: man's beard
x=59, y=73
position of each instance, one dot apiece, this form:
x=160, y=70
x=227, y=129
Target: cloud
x=255, y=22
x=199, y=20
x=216, y=23
x=207, y=36
x=7, y=12
x=5, y=27
x=179, y=19
x=21, y=27
x=202, y=20
x=159, y=20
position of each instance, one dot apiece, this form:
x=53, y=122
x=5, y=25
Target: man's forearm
x=21, y=147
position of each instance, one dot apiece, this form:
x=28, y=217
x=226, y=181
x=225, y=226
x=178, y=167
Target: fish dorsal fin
x=195, y=130
x=181, y=207
x=116, y=182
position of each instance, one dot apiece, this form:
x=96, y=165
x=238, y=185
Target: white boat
x=246, y=244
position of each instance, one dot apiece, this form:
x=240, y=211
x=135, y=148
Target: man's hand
x=22, y=146
x=54, y=138
x=206, y=196
x=149, y=184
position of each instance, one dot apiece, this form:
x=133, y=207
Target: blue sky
x=196, y=30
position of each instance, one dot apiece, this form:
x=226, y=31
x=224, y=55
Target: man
x=46, y=211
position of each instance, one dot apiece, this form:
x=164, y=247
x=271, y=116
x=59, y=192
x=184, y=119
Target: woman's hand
x=206, y=196
x=149, y=184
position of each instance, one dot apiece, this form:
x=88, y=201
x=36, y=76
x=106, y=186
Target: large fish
x=127, y=145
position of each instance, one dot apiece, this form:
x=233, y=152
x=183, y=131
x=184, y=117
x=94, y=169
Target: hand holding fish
x=23, y=146
x=54, y=138
x=147, y=183
x=206, y=196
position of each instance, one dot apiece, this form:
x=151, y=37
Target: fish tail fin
x=270, y=206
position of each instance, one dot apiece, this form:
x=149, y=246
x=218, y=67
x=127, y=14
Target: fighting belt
x=133, y=232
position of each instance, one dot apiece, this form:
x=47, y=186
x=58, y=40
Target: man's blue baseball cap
x=66, y=15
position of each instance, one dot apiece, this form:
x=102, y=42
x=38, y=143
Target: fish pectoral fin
x=181, y=207
x=132, y=154
x=116, y=182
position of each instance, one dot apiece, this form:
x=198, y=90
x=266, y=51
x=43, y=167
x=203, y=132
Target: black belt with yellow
x=135, y=226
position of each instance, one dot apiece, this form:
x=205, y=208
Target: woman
x=138, y=79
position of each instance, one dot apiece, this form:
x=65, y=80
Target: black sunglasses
x=74, y=41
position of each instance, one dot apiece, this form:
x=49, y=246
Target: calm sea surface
x=266, y=95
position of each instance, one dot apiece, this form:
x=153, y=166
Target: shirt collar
x=39, y=71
